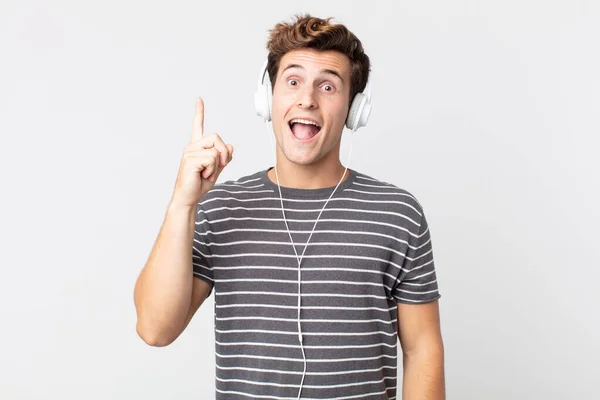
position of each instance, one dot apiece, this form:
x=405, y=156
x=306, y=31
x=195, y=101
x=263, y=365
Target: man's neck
x=307, y=176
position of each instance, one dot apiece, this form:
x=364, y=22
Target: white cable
x=270, y=129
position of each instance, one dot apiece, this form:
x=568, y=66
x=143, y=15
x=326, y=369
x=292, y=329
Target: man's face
x=311, y=85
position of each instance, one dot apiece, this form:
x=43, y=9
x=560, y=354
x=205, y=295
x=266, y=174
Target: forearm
x=163, y=290
x=423, y=377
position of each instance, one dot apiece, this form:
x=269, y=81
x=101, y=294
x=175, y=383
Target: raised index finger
x=198, y=124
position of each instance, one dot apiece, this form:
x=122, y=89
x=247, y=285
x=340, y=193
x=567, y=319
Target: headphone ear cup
x=269, y=94
x=354, y=112
x=262, y=102
x=359, y=112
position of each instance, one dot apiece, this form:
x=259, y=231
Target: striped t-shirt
x=370, y=249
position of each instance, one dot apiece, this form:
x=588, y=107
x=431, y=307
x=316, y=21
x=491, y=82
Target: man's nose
x=306, y=99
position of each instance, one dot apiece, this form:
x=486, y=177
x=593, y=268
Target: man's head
x=315, y=68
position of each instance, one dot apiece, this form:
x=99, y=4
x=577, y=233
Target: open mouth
x=304, y=130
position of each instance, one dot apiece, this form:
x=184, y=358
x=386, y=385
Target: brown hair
x=316, y=33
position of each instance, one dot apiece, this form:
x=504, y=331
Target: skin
x=422, y=351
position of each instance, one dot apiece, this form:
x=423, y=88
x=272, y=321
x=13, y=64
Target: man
x=323, y=324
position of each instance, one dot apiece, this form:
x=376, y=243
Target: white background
x=487, y=111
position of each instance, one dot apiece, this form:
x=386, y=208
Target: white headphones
x=357, y=115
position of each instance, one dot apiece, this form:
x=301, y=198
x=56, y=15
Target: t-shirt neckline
x=320, y=193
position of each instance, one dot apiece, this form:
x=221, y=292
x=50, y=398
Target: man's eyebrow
x=324, y=70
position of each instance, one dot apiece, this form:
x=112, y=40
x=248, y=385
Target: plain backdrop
x=487, y=111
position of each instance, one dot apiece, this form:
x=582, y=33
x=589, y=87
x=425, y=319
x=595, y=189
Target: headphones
x=357, y=115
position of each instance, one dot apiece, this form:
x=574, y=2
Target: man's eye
x=328, y=86
x=292, y=80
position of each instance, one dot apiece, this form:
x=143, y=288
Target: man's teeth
x=303, y=121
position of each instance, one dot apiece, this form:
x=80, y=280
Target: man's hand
x=202, y=162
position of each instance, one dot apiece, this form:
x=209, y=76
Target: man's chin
x=300, y=156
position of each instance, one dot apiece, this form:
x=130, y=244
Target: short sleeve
x=201, y=252
x=417, y=280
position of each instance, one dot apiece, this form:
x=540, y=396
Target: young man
x=317, y=269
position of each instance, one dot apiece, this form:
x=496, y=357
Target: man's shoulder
x=399, y=205
x=250, y=179
x=379, y=188
x=247, y=183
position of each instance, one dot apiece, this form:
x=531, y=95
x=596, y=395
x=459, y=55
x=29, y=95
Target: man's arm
x=164, y=289
x=423, y=351
x=166, y=294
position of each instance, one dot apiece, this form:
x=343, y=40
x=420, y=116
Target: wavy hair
x=306, y=31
